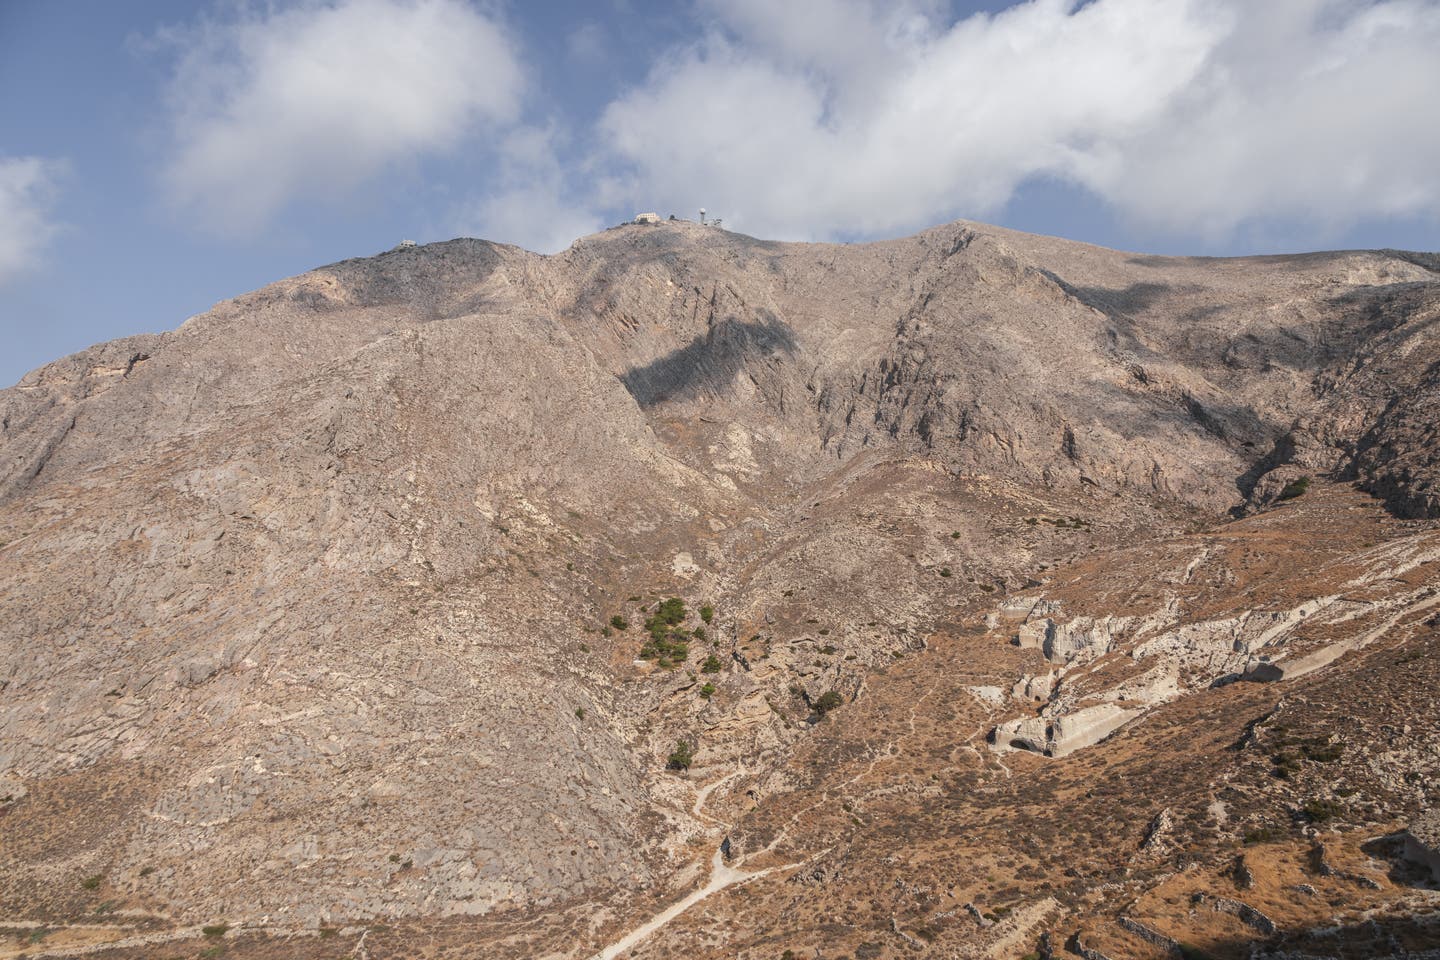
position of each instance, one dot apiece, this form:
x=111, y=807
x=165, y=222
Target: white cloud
x=530, y=202
x=316, y=99
x=1314, y=112
x=1197, y=116
x=27, y=191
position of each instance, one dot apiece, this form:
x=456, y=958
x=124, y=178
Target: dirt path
x=722, y=875
x=702, y=796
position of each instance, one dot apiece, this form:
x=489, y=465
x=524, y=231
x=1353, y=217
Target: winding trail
x=703, y=795
x=722, y=875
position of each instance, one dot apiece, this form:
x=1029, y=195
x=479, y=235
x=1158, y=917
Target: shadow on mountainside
x=708, y=365
x=426, y=279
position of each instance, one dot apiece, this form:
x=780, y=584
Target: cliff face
x=308, y=602
x=990, y=351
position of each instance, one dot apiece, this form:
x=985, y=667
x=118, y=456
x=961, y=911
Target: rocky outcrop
x=1058, y=736
x=1031, y=687
x=1080, y=639
x=1422, y=842
x=1150, y=935
x=1247, y=914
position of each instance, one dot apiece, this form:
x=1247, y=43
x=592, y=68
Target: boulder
x=1032, y=687
x=1058, y=736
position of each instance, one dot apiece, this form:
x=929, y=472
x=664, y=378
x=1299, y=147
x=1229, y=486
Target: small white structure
x=702, y=214
x=647, y=218
x=405, y=244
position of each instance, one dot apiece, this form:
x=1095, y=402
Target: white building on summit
x=647, y=218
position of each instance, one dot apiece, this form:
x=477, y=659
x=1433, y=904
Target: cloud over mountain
x=854, y=117
x=835, y=118
x=318, y=98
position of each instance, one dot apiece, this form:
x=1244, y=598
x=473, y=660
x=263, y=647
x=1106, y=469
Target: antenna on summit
x=702, y=215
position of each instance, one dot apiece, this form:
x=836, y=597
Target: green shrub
x=707, y=613
x=1293, y=489
x=619, y=622
x=91, y=883
x=711, y=665
x=698, y=633
x=1320, y=810
x=1322, y=752
x=1286, y=763
x=828, y=701
x=944, y=571
x=579, y=713
x=216, y=930
x=707, y=691
x=666, y=650
x=681, y=757
x=671, y=611
x=1261, y=835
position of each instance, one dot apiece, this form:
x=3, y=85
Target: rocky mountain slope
x=1029, y=589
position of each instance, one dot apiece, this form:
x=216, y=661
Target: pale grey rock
x=334, y=545
x=1061, y=735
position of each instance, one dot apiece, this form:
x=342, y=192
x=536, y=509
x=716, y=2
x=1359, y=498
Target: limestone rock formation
x=350, y=605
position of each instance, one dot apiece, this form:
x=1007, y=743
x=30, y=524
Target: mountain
x=1022, y=589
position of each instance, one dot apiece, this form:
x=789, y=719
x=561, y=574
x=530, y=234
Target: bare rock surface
x=327, y=611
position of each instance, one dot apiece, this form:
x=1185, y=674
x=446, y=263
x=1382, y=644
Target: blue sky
x=157, y=156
